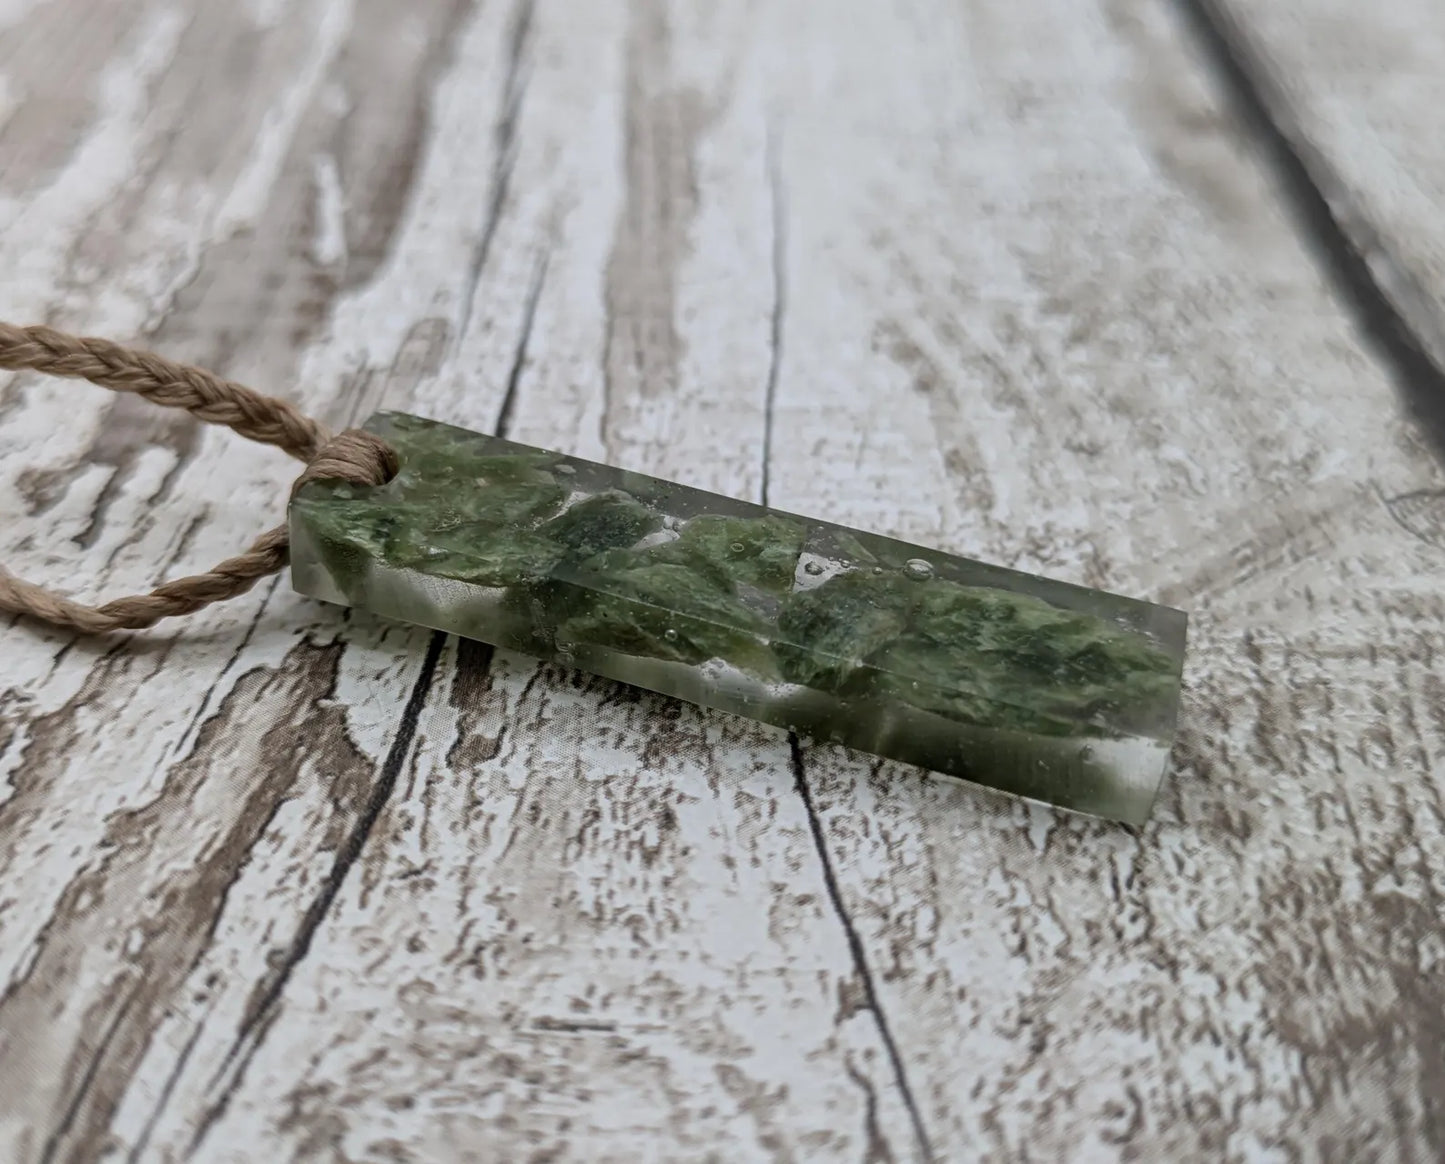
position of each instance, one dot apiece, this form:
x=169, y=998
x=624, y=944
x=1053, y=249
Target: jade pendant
x=1055, y=692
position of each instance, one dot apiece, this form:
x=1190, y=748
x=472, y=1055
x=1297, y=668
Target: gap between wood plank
x=1360, y=270
x=258, y=1023
x=856, y=951
x=780, y=299
x=504, y=143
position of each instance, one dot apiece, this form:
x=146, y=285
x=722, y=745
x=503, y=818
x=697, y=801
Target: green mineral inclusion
x=1054, y=692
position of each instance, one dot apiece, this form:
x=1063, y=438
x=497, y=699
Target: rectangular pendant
x=1055, y=692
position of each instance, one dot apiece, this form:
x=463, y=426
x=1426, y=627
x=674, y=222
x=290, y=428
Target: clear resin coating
x=1043, y=689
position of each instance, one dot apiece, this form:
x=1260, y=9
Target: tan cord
x=353, y=455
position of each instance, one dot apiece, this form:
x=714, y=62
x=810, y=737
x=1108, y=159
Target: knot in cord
x=353, y=455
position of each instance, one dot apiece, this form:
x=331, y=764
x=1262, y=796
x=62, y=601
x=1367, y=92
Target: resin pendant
x=1050, y=691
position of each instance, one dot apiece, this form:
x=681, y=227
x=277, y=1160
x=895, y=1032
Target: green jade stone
x=1050, y=691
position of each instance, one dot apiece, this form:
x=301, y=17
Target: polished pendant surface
x=1040, y=688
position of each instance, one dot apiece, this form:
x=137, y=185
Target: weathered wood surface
x=1355, y=92
x=284, y=883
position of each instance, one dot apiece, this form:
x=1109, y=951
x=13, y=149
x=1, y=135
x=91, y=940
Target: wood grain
x=285, y=882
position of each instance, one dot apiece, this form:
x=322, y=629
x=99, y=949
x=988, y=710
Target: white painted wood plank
x=253, y=818
x=1038, y=304
x=145, y=787
x=549, y=872
x=1105, y=356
